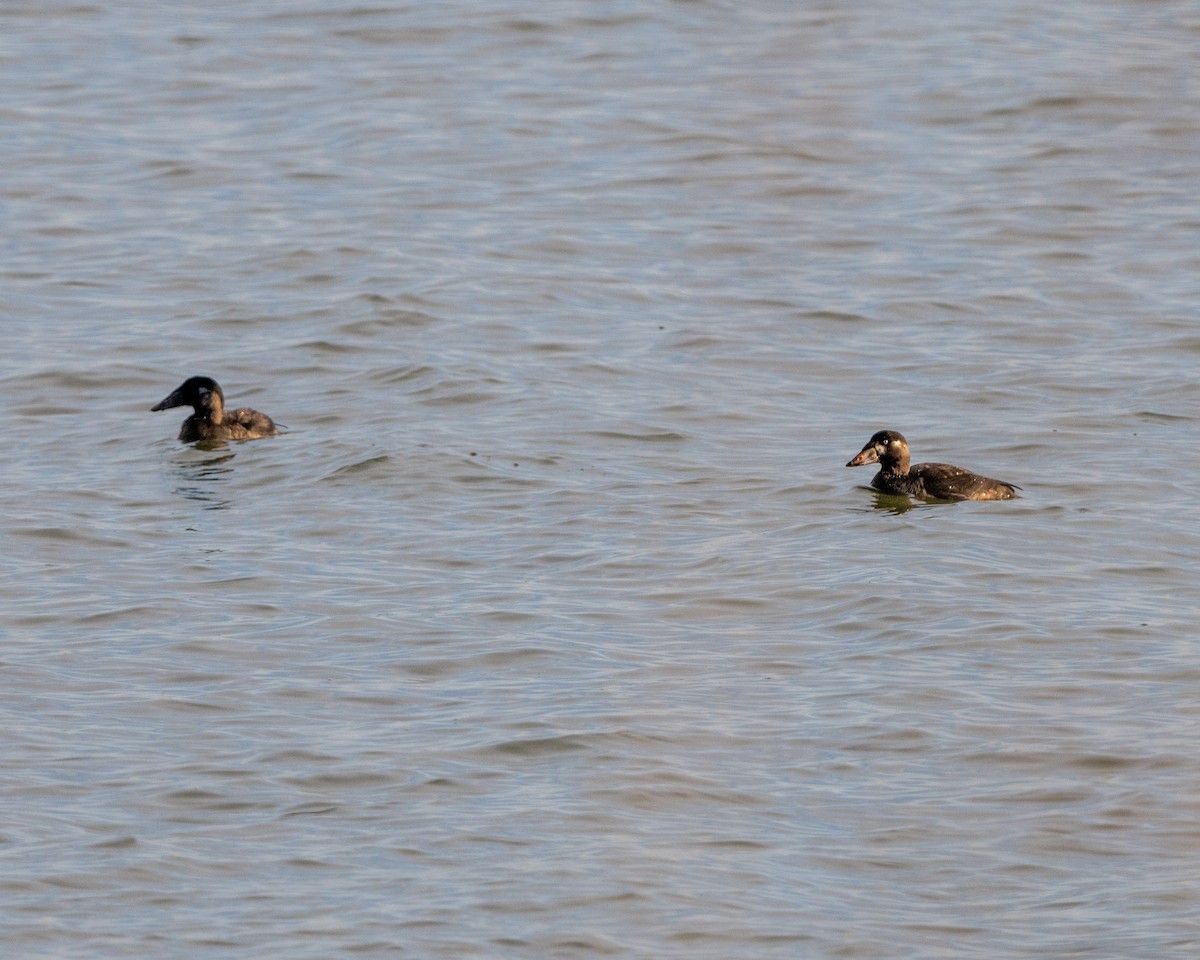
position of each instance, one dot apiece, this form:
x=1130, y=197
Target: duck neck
x=212, y=408
x=897, y=465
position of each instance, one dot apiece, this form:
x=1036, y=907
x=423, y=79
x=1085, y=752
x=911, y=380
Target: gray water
x=554, y=626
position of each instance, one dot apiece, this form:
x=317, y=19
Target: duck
x=211, y=421
x=929, y=481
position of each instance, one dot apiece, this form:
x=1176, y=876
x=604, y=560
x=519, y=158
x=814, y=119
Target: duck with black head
x=929, y=481
x=210, y=420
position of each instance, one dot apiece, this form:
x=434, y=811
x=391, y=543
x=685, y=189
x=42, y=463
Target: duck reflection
x=894, y=503
x=201, y=479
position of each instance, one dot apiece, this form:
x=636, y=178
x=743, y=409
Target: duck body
x=929, y=481
x=210, y=420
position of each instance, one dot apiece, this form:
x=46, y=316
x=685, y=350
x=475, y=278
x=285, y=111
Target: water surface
x=554, y=626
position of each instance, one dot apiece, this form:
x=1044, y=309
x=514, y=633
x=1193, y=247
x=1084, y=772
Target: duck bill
x=174, y=400
x=867, y=454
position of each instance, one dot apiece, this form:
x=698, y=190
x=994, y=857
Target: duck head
x=886, y=447
x=203, y=394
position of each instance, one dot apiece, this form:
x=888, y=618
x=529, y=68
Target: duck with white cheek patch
x=929, y=481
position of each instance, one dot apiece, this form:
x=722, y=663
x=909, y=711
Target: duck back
x=943, y=481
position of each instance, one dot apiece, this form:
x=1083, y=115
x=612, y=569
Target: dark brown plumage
x=210, y=420
x=930, y=481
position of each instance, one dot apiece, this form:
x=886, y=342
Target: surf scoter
x=211, y=421
x=932, y=481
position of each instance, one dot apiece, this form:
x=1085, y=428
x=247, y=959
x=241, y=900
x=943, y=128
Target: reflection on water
x=898, y=503
x=895, y=503
x=201, y=479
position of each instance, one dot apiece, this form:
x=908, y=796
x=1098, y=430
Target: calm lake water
x=554, y=626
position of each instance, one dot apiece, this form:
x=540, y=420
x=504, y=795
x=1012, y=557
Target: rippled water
x=554, y=626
